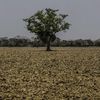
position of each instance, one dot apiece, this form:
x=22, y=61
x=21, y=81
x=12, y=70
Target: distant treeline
x=25, y=42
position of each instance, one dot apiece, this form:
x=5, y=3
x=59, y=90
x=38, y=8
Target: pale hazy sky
x=84, y=15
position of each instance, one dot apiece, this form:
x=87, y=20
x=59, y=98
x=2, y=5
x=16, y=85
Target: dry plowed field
x=62, y=74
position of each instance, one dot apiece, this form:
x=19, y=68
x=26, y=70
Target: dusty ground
x=62, y=74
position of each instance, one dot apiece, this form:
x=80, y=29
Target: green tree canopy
x=46, y=23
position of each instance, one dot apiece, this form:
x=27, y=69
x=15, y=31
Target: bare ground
x=62, y=74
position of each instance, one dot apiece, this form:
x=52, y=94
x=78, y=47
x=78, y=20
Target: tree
x=97, y=42
x=45, y=24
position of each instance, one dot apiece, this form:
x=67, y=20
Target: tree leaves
x=47, y=23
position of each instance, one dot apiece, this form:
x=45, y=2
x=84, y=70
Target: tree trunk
x=48, y=44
